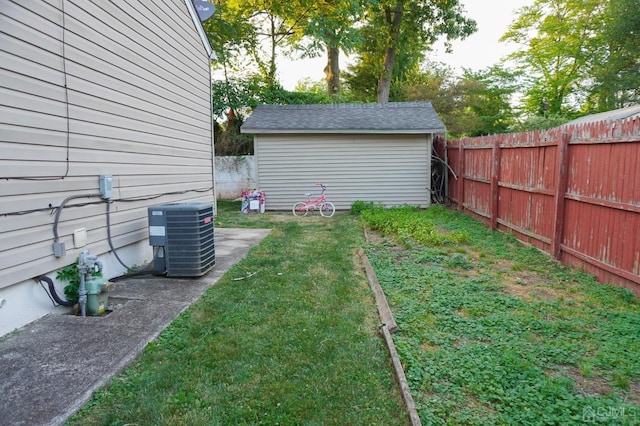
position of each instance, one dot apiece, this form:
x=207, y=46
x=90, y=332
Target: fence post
x=561, y=189
x=461, y=175
x=447, y=195
x=495, y=179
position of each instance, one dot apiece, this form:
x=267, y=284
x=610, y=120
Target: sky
x=478, y=51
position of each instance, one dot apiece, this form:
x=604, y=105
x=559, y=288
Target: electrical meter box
x=182, y=236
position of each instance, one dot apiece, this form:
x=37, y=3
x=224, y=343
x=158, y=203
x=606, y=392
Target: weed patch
x=493, y=332
x=407, y=222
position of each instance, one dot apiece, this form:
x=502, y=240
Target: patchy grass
x=494, y=332
x=491, y=332
x=295, y=341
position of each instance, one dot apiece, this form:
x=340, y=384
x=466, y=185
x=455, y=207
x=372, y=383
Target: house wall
x=387, y=169
x=107, y=87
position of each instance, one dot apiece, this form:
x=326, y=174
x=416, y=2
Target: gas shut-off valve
x=86, y=264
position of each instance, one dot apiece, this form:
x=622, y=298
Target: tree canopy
x=575, y=57
x=616, y=67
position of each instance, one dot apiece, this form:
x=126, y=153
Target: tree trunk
x=384, y=83
x=332, y=71
x=271, y=75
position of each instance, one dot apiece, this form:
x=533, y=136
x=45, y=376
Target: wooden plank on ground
x=381, y=301
x=404, y=385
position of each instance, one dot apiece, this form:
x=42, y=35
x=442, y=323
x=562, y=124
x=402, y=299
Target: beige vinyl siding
x=389, y=169
x=139, y=108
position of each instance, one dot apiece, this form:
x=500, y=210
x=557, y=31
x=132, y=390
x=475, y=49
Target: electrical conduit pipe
x=53, y=292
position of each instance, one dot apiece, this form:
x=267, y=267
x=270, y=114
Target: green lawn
x=295, y=342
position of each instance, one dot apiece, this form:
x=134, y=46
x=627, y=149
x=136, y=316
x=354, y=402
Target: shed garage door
x=388, y=169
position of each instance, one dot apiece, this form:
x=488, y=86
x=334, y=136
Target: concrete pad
x=51, y=367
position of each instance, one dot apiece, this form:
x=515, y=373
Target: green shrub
x=359, y=206
x=70, y=274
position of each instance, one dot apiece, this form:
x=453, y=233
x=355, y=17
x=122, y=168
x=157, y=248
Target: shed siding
x=138, y=94
x=388, y=169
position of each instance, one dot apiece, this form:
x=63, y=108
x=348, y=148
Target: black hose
x=137, y=273
x=53, y=292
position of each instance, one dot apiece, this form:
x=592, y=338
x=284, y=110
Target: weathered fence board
x=572, y=191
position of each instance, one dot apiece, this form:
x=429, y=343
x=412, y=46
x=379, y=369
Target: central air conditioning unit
x=182, y=236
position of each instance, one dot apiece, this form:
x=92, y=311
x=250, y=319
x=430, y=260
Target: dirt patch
x=589, y=386
x=374, y=237
x=518, y=287
x=634, y=392
x=463, y=313
x=526, y=285
x=475, y=404
x=426, y=347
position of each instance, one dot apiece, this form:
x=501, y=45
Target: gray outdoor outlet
x=106, y=186
x=59, y=249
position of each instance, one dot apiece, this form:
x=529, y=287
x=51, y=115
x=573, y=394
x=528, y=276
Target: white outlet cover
x=80, y=237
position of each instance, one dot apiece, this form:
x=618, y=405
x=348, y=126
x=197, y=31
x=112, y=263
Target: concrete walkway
x=50, y=368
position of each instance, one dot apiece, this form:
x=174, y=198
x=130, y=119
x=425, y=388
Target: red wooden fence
x=572, y=191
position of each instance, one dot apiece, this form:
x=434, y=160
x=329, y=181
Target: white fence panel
x=233, y=175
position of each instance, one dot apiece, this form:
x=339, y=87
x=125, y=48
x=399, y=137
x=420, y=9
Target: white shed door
x=388, y=169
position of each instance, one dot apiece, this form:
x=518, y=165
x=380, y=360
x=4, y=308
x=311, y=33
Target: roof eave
x=344, y=131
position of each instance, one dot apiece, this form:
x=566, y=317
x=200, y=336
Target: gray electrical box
x=59, y=249
x=106, y=186
x=182, y=236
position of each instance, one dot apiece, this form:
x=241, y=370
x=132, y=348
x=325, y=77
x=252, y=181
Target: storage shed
x=369, y=152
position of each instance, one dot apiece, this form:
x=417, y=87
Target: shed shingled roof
x=386, y=118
